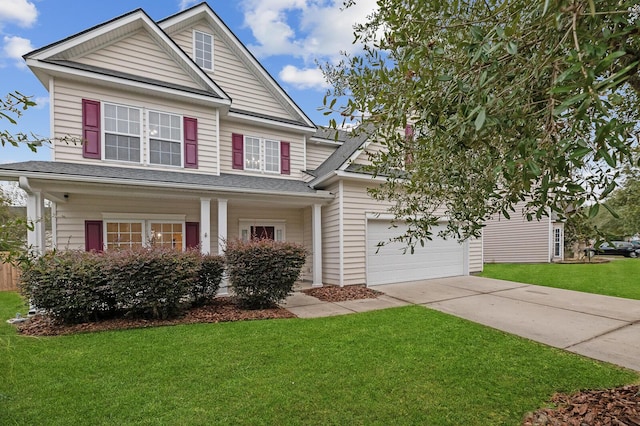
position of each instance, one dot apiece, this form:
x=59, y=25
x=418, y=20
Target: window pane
x=203, y=50
x=167, y=235
x=163, y=152
x=124, y=234
x=252, y=155
x=272, y=156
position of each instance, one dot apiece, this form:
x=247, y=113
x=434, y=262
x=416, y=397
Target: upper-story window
x=165, y=139
x=261, y=154
x=122, y=133
x=203, y=50
x=257, y=154
x=138, y=135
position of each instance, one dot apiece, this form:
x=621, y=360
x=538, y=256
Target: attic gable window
x=203, y=50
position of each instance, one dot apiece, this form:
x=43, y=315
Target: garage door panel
x=391, y=263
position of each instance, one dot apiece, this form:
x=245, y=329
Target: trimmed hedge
x=78, y=286
x=262, y=272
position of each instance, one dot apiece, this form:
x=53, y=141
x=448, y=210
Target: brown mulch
x=221, y=309
x=332, y=293
x=615, y=407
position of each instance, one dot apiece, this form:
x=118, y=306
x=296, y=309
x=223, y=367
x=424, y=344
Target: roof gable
x=235, y=68
x=114, y=38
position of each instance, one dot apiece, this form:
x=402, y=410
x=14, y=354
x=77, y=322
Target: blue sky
x=287, y=36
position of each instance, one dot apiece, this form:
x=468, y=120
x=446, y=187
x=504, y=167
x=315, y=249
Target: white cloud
x=15, y=47
x=22, y=12
x=309, y=29
x=184, y=4
x=41, y=102
x=308, y=78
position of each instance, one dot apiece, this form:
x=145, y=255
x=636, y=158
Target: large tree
x=481, y=104
x=625, y=201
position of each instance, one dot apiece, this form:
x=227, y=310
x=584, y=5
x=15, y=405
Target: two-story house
x=189, y=142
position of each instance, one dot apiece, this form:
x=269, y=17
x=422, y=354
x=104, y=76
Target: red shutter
x=237, y=142
x=90, y=129
x=192, y=233
x=190, y=143
x=285, y=162
x=93, y=235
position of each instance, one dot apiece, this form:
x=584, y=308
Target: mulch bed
x=221, y=309
x=615, y=407
x=332, y=293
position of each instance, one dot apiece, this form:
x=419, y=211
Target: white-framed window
x=167, y=234
x=557, y=242
x=137, y=230
x=165, y=138
x=126, y=135
x=203, y=50
x=122, y=133
x=124, y=234
x=261, y=155
x=257, y=229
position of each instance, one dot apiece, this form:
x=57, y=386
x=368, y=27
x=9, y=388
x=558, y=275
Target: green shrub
x=262, y=273
x=152, y=282
x=78, y=286
x=207, y=284
x=70, y=285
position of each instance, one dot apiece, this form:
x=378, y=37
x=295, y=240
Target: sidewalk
x=600, y=327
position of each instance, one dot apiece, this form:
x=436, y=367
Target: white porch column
x=316, y=224
x=35, y=217
x=205, y=225
x=222, y=225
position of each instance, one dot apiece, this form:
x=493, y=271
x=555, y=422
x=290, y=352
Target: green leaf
x=593, y=210
x=445, y=77
x=608, y=189
x=568, y=102
x=512, y=48
x=602, y=152
x=611, y=210
x=482, y=115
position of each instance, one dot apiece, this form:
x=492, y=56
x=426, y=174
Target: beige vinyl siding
x=365, y=156
x=235, y=76
x=67, y=116
x=475, y=255
x=357, y=204
x=296, y=145
x=516, y=240
x=331, y=238
x=70, y=216
x=139, y=54
x=317, y=154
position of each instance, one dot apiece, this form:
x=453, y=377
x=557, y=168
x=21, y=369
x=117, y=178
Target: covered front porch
x=123, y=213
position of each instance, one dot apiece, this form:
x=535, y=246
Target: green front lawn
x=620, y=277
x=407, y=365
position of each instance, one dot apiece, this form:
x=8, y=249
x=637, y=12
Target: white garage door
x=389, y=264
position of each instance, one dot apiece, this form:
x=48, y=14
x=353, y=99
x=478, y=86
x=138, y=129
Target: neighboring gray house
x=517, y=240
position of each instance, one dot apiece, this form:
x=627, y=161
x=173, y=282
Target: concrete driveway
x=601, y=327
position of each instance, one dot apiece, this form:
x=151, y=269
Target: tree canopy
x=481, y=104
